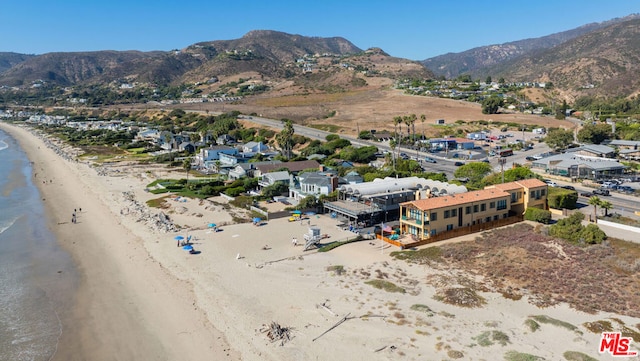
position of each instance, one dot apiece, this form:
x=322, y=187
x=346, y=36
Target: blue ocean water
x=37, y=277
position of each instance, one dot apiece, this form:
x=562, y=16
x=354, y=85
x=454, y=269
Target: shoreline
x=127, y=306
x=142, y=297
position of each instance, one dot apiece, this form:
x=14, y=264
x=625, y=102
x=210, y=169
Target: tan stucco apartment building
x=428, y=217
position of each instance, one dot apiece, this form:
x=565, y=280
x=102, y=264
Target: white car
x=551, y=183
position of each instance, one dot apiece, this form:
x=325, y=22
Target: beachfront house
x=313, y=184
x=254, y=147
x=208, y=157
x=272, y=178
x=293, y=167
x=424, y=218
x=379, y=200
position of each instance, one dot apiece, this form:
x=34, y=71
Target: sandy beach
x=143, y=298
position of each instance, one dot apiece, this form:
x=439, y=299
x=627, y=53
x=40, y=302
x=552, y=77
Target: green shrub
x=592, y=234
x=560, y=198
x=537, y=215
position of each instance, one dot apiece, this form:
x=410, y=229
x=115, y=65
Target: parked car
x=587, y=194
x=601, y=192
x=625, y=189
x=571, y=188
x=429, y=160
x=530, y=159
x=404, y=156
x=551, y=183
x=458, y=164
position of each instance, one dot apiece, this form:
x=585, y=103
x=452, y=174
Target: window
x=449, y=227
x=446, y=214
x=496, y=217
x=488, y=219
x=454, y=213
x=504, y=215
x=543, y=192
x=514, y=197
x=467, y=210
x=433, y=216
x=483, y=207
x=475, y=208
x=502, y=204
x=492, y=205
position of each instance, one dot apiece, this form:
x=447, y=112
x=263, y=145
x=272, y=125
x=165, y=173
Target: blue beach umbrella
x=178, y=238
x=211, y=225
x=297, y=212
x=187, y=247
x=310, y=213
x=256, y=220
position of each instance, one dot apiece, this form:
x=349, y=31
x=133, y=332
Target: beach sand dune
x=143, y=297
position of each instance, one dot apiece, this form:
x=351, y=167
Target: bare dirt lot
x=371, y=108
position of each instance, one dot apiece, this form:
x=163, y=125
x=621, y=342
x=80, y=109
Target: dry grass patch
x=532, y=325
x=337, y=270
x=520, y=356
x=489, y=338
x=460, y=296
x=386, y=285
x=423, y=309
x=577, y=356
x=554, y=321
x=515, y=261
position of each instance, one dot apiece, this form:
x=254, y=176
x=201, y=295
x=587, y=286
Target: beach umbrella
x=310, y=213
x=211, y=225
x=187, y=247
x=178, y=238
x=297, y=212
x=256, y=220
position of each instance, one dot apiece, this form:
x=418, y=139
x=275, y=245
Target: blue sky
x=410, y=29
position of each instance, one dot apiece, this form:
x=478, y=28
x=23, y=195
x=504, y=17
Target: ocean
x=37, y=277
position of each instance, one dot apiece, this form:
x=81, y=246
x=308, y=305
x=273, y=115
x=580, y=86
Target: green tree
x=475, y=172
x=274, y=190
x=568, y=228
x=606, y=205
x=595, y=202
x=308, y=202
x=594, y=134
x=488, y=80
x=492, y=104
x=559, y=138
x=285, y=138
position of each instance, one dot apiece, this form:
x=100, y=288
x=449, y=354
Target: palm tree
x=397, y=121
x=606, y=205
x=186, y=165
x=422, y=119
x=392, y=144
x=595, y=202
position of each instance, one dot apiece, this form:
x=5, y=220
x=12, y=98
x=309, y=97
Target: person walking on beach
x=294, y=241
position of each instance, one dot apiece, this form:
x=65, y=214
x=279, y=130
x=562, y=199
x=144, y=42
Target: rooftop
x=458, y=199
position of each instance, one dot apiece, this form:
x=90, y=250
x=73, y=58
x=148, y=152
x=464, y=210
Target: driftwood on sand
x=275, y=332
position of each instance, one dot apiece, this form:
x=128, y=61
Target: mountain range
x=599, y=59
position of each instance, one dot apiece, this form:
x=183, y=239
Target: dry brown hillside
x=371, y=108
